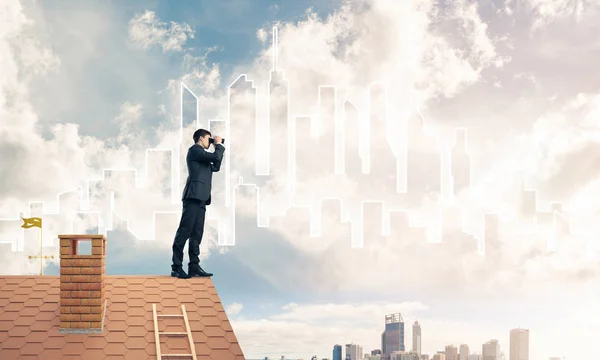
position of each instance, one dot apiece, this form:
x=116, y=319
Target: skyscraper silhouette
x=519, y=344
x=392, y=338
x=416, y=343
x=280, y=131
x=337, y=352
x=490, y=350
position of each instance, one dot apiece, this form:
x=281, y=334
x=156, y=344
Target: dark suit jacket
x=201, y=164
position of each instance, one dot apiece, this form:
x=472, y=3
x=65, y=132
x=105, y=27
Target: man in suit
x=196, y=195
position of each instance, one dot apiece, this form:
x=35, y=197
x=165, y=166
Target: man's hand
x=218, y=140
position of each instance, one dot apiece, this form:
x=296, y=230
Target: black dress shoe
x=179, y=273
x=199, y=273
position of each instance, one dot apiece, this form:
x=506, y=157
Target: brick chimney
x=82, y=301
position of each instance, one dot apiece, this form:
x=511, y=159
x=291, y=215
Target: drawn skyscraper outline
x=176, y=165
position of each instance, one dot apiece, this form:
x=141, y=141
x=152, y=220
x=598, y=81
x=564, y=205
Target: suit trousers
x=191, y=227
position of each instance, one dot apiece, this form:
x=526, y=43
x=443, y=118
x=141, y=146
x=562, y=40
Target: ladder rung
x=177, y=355
x=172, y=333
x=170, y=315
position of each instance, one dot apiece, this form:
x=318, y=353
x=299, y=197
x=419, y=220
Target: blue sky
x=90, y=85
x=230, y=26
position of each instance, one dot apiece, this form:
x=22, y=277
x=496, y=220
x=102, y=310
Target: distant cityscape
x=393, y=347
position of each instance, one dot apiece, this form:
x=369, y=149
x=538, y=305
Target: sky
x=90, y=85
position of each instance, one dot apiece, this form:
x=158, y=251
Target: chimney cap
x=82, y=236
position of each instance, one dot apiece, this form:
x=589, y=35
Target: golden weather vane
x=36, y=222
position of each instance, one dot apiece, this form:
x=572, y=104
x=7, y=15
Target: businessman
x=196, y=196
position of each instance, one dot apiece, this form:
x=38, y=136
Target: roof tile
x=22, y=290
x=214, y=331
x=202, y=349
x=34, y=348
x=55, y=343
x=136, y=342
x=150, y=283
x=73, y=348
x=10, y=354
x=135, y=321
x=119, y=307
x=34, y=302
x=46, y=316
x=211, y=321
x=116, y=315
x=76, y=338
x=49, y=306
x=45, y=324
x=151, y=349
x=218, y=343
x=119, y=291
x=50, y=354
x=13, y=343
x=176, y=344
x=9, y=316
x=29, y=311
x=14, y=306
x=19, y=331
x=20, y=298
x=136, y=354
x=222, y=354
x=116, y=337
x=187, y=290
x=93, y=354
x=36, y=337
x=134, y=303
x=115, y=349
x=24, y=321
x=97, y=342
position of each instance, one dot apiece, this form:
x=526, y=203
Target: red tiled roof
x=30, y=319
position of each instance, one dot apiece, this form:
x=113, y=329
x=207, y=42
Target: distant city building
x=376, y=352
x=403, y=355
x=416, y=343
x=474, y=357
x=451, y=352
x=392, y=338
x=464, y=352
x=519, y=344
x=424, y=357
x=337, y=352
x=354, y=352
x=439, y=356
x=490, y=350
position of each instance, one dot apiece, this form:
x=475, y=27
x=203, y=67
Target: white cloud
x=261, y=34
x=274, y=8
x=234, y=309
x=147, y=30
x=546, y=12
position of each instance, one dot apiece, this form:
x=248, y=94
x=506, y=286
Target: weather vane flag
x=36, y=222
x=31, y=222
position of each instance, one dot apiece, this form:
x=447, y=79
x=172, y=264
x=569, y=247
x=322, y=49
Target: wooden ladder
x=188, y=332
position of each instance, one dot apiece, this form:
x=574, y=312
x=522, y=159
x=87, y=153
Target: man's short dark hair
x=200, y=133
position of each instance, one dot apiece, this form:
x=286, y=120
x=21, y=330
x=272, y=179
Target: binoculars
x=212, y=141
